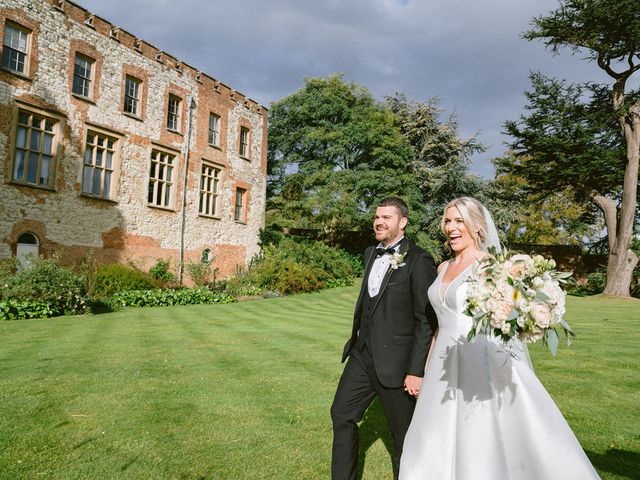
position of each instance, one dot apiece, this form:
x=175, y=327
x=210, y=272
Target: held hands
x=412, y=385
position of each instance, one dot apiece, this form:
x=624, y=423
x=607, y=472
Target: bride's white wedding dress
x=482, y=414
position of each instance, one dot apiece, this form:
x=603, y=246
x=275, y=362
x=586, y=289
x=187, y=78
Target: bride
x=482, y=414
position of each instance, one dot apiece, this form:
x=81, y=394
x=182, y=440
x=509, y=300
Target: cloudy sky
x=467, y=52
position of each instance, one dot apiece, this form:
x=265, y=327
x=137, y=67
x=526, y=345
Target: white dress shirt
x=379, y=269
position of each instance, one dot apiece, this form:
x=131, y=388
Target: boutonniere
x=397, y=260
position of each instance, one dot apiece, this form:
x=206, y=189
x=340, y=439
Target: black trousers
x=357, y=388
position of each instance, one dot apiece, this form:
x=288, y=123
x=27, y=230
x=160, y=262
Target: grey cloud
x=466, y=52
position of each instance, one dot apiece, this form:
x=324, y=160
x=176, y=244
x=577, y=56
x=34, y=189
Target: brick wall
x=70, y=221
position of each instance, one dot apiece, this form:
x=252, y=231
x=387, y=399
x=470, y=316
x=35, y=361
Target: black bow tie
x=382, y=251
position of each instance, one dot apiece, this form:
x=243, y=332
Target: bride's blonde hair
x=472, y=213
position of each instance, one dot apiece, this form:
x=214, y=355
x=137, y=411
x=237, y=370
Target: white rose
x=531, y=336
x=552, y=290
x=541, y=314
x=538, y=283
x=557, y=313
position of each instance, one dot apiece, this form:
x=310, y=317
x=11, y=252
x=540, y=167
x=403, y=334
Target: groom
x=392, y=328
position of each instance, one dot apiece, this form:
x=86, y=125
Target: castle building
x=112, y=147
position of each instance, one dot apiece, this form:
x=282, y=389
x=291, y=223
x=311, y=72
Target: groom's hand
x=412, y=385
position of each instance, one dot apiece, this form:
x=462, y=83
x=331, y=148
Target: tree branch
x=605, y=64
x=609, y=211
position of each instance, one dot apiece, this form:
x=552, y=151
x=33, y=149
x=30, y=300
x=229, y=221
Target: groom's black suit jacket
x=402, y=320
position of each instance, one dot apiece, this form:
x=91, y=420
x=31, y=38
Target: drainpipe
x=183, y=208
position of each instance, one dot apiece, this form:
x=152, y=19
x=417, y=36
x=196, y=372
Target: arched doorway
x=27, y=249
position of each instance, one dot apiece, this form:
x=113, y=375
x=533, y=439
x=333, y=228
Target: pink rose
x=500, y=314
x=491, y=304
x=519, y=266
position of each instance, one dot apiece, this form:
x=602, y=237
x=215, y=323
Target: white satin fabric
x=482, y=414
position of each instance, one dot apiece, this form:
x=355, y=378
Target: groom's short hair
x=395, y=202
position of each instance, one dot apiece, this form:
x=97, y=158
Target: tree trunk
x=620, y=272
x=622, y=261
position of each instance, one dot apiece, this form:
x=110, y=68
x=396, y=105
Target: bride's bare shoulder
x=441, y=266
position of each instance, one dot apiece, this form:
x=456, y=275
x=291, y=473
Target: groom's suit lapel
x=404, y=246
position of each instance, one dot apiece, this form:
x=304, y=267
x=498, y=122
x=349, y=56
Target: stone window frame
x=207, y=192
x=59, y=122
x=241, y=211
x=214, y=140
x=174, y=117
x=160, y=153
x=20, y=20
x=6, y=48
x=244, y=148
x=141, y=75
x=89, y=52
x=115, y=162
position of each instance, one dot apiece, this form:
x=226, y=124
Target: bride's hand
x=412, y=385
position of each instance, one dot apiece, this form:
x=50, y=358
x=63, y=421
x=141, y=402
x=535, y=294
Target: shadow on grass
x=622, y=463
x=374, y=426
x=129, y=462
x=84, y=442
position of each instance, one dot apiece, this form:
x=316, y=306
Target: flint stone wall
x=127, y=228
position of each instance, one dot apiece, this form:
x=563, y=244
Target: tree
x=609, y=32
x=333, y=152
x=556, y=219
x=440, y=162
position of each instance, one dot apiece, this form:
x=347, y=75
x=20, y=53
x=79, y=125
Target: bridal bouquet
x=517, y=296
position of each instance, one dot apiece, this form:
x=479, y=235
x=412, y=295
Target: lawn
x=242, y=391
